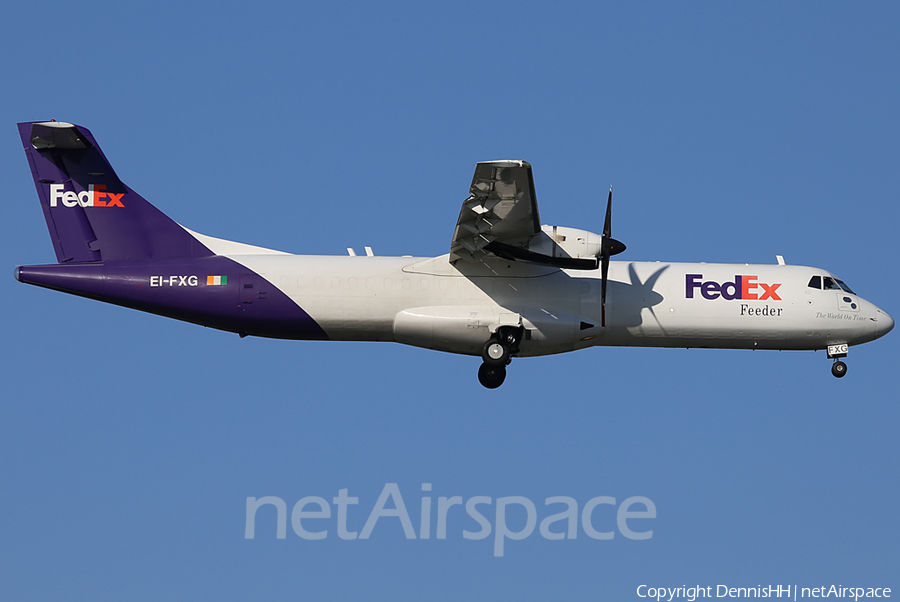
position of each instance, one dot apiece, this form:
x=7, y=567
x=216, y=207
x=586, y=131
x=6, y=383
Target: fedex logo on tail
x=94, y=196
x=743, y=287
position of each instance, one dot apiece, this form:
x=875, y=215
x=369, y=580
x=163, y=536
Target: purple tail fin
x=91, y=214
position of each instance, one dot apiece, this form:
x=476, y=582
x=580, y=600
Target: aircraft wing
x=501, y=208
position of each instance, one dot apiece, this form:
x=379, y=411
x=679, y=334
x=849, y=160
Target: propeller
x=608, y=247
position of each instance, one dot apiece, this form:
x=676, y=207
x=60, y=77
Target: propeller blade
x=604, y=257
x=607, y=224
x=609, y=246
x=604, y=271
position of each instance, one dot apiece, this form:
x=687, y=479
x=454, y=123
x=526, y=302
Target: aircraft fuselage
x=434, y=304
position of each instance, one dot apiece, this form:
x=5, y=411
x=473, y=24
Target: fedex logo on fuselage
x=743, y=287
x=92, y=197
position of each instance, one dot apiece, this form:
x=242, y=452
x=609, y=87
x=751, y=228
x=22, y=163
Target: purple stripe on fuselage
x=212, y=291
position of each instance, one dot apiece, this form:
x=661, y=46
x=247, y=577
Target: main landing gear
x=497, y=354
x=491, y=377
x=839, y=368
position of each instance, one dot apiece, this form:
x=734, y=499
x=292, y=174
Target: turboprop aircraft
x=509, y=287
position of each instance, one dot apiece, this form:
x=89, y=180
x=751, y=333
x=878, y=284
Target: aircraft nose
x=884, y=323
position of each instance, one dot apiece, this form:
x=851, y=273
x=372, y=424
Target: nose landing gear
x=497, y=354
x=839, y=368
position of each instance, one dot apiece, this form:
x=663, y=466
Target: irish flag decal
x=216, y=280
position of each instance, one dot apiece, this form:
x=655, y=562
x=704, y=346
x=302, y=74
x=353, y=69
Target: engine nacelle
x=571, y=241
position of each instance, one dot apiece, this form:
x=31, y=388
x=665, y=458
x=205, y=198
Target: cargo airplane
x=509, y=286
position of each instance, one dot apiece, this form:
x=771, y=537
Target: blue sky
x=731, y=132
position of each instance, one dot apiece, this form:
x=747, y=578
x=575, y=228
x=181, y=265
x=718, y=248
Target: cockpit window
x=831, y=285
x=844, y=286
x=815, y=282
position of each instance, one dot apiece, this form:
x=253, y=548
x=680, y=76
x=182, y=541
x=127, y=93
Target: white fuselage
x=455, y=307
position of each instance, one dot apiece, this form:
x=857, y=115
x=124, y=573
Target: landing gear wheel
x=491, y=377
x=495, y=353
x=839, y=369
